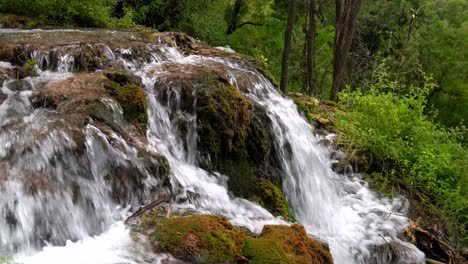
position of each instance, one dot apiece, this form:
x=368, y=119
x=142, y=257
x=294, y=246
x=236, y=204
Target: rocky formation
x=212, y=239
x=234, y=135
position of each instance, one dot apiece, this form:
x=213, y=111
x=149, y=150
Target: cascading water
x=77, y=201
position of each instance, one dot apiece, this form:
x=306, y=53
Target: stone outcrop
x=212, y=239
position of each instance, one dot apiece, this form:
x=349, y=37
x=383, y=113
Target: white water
x=338, y=209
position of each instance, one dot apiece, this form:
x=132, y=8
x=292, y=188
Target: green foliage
x=7, y=260
x=126, y=21
x=273, y=199
x=84, y=13
x=29, y=65
x=417, y=36
x=200, y=19
x=406, y=146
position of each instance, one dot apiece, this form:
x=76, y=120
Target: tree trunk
x=234, y=20
x=287, y=44
x=346, y=17
x=310, y=49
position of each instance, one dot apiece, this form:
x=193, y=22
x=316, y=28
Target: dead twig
x=147, y=207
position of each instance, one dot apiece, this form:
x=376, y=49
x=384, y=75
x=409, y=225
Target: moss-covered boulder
x=92, y=98
x=270, y=196
x=196, y=238
x=234, y=133
x=86, y=93
x=212, y=239
x=283, y=244
x=132, y=98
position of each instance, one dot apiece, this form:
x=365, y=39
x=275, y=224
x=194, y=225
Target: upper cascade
x=96, y=123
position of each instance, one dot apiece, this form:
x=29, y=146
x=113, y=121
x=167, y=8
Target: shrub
x=84, y=13
x=406, y=146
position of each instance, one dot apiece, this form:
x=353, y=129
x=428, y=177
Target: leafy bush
x=84, y=13
x=406, y=146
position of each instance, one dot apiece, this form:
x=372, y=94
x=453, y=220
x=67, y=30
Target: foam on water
x=113, y=246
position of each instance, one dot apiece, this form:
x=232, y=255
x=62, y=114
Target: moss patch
x=212, y=239
x=283, y=244
x=223, y=119
x=201, y=238
x=273, y=199
x=319, y=112
x=132, y=98
x=234, y=135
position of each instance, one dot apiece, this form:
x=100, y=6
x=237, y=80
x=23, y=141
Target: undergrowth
x=406, y=147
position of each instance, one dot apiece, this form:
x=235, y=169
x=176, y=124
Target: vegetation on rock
x=233, y=132
x=132, y=98
x=203, y=239
x=283, y=244
x=405, y=151
x=271, y=197
x=212, y=239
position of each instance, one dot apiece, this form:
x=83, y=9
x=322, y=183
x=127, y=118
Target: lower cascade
x=81, y=149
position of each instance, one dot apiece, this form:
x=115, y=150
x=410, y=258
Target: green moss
x=223, y=118
x=30, y=64
x=258, y=142
x=273, y=199
x=303, y=107
x=330, y=103
x=212, y=239
x=132, y=98
x=288, y=245
x=242, y=181
x=200, y=238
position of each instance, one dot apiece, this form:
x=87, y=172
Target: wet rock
x=390, y=252
x=432, y=242
x=3, y=97
x=278, y=244
x=19, y=85
x=233, y=132
x=86, y=93
x=271, y=197
x=132, y=98
x=123, y=78
x=198, y=239
x=179, y=40
x=6, y=73
x=80, y=87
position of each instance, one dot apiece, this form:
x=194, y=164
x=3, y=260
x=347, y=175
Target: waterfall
x=73, y=217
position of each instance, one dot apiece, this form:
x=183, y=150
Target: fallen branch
x=147, y=207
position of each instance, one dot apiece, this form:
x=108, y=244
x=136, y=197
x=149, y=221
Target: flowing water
x=58, y=224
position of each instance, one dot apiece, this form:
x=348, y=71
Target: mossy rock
x=132, y=98
x=242, y=180
x=223, y=119
x=271, y=197
x=196, y=238
x=212, y=239
x=288, y=245
x=234, y=135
